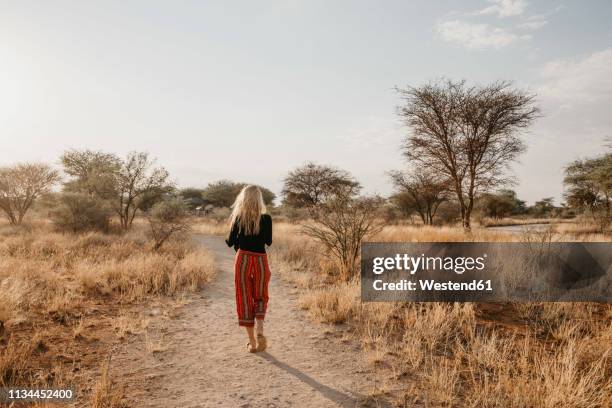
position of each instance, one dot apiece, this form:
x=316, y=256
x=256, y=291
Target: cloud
x=505, y=8
x=584, y=80
x=476, y=36
x=576, y=96
x=476, y=31
x=374, y=132
x=533, y=23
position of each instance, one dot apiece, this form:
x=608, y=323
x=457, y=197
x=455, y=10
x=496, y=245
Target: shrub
x=340, y=224
x=166, y=219
x=220, y=214
x=78, y=212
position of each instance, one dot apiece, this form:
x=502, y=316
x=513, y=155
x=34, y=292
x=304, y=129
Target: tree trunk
x=11, y=217
x=466, y=221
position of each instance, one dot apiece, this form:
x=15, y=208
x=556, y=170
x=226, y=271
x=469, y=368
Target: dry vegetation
x=209, y=226
x=66, y=299
x=501, y=222
x=461, y=355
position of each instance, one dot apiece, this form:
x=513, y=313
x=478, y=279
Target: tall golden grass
x=59, y=291
x=461, y=355
x=507, y=221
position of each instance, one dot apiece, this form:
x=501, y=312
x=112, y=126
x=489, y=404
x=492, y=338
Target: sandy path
x=205, y=363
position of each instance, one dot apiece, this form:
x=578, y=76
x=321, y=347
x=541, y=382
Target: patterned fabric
x=252, y=275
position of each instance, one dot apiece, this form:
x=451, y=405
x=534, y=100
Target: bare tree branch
x=468, y=135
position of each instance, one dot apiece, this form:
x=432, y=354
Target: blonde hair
x=247, y=210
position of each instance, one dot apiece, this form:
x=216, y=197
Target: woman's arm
x=232, y=239
x=268, y=230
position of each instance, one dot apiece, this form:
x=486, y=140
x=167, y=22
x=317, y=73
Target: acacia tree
x=21, y=185
x=589, y=187
x=589, y=183
x=138, y=180
x=469, y=135
x=422, y=191
x=500, y=204
x=339, y=219
x=543, y=207
x=93, y=173
x=312, y=184
x=124, y=185
x=86, y=201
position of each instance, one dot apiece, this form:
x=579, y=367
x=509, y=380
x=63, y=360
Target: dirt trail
x=204, y=362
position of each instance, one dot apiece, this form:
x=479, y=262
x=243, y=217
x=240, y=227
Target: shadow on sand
x=340, y=398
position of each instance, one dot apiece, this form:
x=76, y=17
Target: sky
x=248, y=90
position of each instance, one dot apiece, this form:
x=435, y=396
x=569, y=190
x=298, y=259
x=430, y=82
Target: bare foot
x=262, y=342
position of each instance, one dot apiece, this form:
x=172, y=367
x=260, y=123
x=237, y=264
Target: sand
x=202, y=359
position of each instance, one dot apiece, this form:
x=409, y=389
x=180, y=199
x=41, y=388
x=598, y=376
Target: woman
x=250, y=232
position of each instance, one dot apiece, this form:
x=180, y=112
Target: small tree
x=21, y=185
x=501, y=204
x=340, y=224
x=166, y=219
x=420, y=191
x=468, y=135
x=138, y=181
x=128, y=185
x=92, y=172
x=589, y=185
x=543, y=207
x=313, y=184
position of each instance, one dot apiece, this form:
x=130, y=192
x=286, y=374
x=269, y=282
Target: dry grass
x=402, y=233
x=157, y=345
x=14, y=363
x=67, y=298
x=461, y=355
x=331, y=304
x=502, y=222
x=106, y=393
x=53, y=272
x=585, y=229
x=208, y=226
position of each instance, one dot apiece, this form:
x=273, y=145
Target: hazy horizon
x=248, y=91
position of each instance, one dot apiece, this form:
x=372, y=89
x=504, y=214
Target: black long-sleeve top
x=253, y=243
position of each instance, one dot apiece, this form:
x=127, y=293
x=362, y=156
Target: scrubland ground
x=462, y=355
x=200, y=357
x=67, y=301
x=108, y=316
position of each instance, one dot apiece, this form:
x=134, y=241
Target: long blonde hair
x=247, y=210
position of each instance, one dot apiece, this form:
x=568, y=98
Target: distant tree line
x=220, y=193
x=461, y=141
x=98, y=186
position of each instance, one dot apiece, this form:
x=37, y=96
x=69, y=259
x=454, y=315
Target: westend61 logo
x=413, y=264
x=486, y=272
